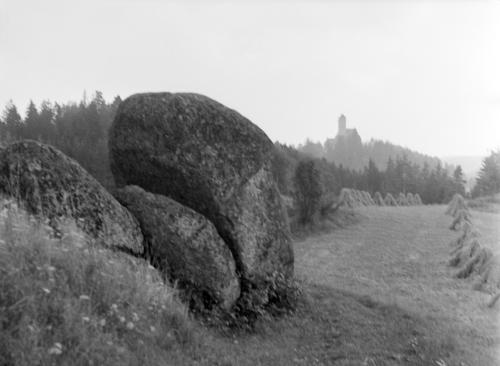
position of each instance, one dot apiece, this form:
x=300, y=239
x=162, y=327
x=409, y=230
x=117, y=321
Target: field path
x=398, y=255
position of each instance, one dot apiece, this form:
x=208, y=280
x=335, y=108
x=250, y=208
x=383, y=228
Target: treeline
x=433, y=184
x=80, y=130
x=352, y=153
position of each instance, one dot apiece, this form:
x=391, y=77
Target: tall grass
x=66, y=302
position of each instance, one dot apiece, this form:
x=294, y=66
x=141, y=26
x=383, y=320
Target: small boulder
x=52, y=185
x=213, y=160
x=185, y=245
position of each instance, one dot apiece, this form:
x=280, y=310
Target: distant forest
x=80, y=130
x=352, y=153
x=434, y=185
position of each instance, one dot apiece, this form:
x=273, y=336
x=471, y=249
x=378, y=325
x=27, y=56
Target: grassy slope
x=398, y=256
x=332, y=325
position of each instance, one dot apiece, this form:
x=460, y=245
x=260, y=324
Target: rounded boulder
x=184, y=245
x=51, y=185
x=213, y=160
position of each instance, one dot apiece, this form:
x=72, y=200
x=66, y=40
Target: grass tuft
x=64, y=301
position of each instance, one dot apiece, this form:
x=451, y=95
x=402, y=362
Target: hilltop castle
x=343, y=131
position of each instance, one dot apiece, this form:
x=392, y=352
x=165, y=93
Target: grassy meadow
x=398, y=256
x=376, y=290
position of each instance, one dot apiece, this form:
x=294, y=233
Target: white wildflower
x=86, y=319
x=56, y=349
x=130, y=325
x=84, y=297
x=46, y=290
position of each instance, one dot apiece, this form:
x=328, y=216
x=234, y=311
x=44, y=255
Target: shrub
x=309, y=190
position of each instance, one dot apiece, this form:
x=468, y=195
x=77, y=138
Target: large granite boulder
x=185, y=245
x=212, y=159
x=52, y=185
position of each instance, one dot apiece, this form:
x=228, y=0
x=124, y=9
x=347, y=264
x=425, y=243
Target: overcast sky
x=425, y=75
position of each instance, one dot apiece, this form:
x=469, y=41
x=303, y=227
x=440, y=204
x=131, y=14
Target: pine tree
x=459, y=181
x=488, y=180
x=31, y=122
x=46, y=123
x=373, y=177
x=13, y=122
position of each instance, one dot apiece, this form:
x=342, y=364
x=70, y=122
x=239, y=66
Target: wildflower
x=130, y=325
x=51, y=268
x=56, y=349
x=46, y=290
x=135, y=317
x=84, y=297
x=122, y=319
x=102, y=322
x=86, y=319
x=152, y=328
x=114, y=307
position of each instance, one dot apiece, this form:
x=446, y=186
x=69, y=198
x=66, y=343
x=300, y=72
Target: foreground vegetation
x=65, y=302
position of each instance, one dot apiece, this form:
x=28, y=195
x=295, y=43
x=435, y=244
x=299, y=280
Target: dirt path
x=398, y=256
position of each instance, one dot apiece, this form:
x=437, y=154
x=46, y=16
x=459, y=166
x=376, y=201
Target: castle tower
x=342, y=125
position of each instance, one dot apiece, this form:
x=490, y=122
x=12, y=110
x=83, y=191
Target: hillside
x=348, y=149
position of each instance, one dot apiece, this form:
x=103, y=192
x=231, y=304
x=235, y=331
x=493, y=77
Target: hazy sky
x=425, y=75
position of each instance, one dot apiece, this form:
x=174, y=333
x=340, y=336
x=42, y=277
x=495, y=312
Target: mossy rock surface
x=52, y=185
x=185, y=245
x=212, y=159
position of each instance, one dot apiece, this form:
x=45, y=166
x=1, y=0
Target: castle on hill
x=343, y=130
x=346, y=148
